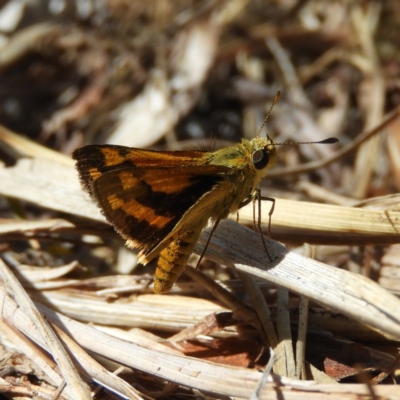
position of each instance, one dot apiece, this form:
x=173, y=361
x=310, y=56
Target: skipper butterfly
x=160, y=201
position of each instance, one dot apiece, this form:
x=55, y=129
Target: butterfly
x=160, y=201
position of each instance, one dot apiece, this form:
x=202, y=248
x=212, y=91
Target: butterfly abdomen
x=173, y=259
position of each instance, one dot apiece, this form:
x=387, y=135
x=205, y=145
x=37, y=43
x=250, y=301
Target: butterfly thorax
x=247, y=163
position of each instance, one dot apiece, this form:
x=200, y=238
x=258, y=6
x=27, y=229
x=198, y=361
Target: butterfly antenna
x=276, y=98
x=330, y=140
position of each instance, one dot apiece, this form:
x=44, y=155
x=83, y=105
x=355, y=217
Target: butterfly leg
x=208, y=241
x=173, y=260
x=271, y=211
x=259, y=199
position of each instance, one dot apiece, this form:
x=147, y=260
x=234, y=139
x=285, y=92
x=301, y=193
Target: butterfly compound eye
x=260, y=158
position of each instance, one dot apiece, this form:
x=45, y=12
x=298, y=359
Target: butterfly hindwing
x=145, y=203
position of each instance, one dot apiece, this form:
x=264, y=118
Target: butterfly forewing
x=106, y=157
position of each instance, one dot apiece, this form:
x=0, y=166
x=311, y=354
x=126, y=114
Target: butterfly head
x=263, y=155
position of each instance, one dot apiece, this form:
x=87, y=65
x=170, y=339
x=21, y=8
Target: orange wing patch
x=168, y=182
x=113, y=156
x=128, y=180
x=137, y=210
